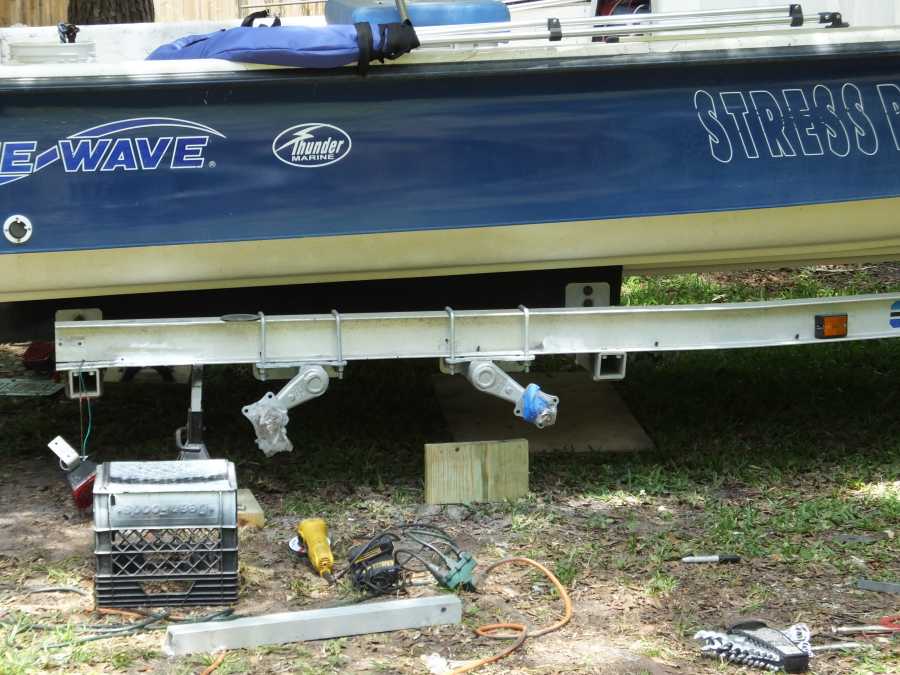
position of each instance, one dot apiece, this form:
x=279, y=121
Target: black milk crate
x=166, y=533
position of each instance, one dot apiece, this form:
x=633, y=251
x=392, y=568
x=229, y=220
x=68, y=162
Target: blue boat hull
x=258, y=177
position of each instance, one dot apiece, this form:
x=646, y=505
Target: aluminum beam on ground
x=513, y=335
x=314, y=624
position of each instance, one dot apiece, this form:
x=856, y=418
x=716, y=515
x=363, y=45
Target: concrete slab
x=592, y=415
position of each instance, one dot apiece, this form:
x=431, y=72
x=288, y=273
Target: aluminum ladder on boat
x=623, y=25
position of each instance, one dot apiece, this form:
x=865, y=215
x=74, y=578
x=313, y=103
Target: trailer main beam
x=462, y=336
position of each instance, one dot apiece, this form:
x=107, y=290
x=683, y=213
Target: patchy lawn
x=775, y=455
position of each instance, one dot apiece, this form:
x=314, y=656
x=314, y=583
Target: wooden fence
x=215, y=10
x=51, y=12
x=32, y=12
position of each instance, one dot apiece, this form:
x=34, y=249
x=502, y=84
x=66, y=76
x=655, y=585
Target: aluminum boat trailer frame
x=482, y=345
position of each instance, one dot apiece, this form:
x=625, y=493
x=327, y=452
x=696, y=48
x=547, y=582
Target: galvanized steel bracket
x=269, y=415
x=532, y=404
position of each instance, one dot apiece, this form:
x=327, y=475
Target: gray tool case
x=166, y=533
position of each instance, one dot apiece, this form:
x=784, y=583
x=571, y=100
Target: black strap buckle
x=555, y=29
x=833, y=19
x=261, y=14
x=364, y=41
x=67, y=32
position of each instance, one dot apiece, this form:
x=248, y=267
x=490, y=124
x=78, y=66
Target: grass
x=764, y=453
x=661, y=584
x=761, y=285
x=577, y=558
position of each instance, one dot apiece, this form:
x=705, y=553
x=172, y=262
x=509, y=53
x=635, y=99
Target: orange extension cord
x=520, y=630
x=214, y=666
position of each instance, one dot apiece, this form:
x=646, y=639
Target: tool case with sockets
x=166, y=533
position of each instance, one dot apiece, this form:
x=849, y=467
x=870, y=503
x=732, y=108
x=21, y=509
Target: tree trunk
x=85, y=12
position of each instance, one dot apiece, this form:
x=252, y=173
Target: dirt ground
x=791, y=461
x=620, y=624
x=273, y=581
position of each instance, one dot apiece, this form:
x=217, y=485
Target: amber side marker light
x=831, y=326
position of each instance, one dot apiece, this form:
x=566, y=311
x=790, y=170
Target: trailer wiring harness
x=386, y=563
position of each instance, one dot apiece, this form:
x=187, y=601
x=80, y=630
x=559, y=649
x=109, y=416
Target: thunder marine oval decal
x=312, y=145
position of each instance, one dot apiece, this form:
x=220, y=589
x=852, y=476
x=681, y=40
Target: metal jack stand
x=189, y=438
x=269, y=415
x=532, y=405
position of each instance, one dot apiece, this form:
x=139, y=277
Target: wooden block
x=250, y=513
x=593, y=417
x=481, y=471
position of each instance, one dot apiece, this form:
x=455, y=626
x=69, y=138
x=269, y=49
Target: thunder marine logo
x=104, y=148
x=312, y=145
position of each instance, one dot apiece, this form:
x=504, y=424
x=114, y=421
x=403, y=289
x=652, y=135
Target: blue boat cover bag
x=299, y=46
x=295, y=46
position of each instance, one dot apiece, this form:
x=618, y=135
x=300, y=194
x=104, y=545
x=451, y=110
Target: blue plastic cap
x=533, y=404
